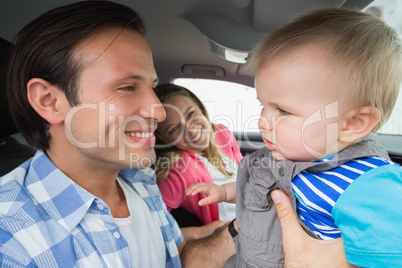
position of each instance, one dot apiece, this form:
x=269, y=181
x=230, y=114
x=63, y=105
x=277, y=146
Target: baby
x=325, y=81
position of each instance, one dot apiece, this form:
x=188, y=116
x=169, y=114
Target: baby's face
x=302, y=107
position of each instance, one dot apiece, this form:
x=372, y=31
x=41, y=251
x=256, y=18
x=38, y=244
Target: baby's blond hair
x=366, y=50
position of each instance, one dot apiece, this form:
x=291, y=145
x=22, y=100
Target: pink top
x=189, y=170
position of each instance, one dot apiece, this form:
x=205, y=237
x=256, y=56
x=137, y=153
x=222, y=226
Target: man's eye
x=283, y=112
x=128, y=88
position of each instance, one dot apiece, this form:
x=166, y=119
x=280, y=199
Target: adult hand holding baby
x=301, y=250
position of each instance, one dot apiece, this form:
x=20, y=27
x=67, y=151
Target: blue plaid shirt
x=47, y=220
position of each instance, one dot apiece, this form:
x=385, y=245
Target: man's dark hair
x=45, y=49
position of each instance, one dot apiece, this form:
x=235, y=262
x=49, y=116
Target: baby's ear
x=46, y=100
x=358, y=123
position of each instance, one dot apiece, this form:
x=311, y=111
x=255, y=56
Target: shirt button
x=100, y=206
x=282, y=171
x=116, y=235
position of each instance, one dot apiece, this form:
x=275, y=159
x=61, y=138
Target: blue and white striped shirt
x=47, y=220
x=317, y=193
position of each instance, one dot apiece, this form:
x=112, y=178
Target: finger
x=206, y=201
x=196, y=189
x=192, y=187
x=301, y=248
x=289, y=224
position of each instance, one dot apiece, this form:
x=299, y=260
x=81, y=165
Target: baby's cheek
x=317, y=139
x=290, y=143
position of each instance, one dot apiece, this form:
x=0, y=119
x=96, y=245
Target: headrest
x=7, y=126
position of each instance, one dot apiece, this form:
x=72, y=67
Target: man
x=80, y=88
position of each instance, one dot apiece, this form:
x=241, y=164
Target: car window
x=233, y=105
x=390, y=11
x=237, y=107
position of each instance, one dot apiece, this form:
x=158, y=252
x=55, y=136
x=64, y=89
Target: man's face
x=118, y=113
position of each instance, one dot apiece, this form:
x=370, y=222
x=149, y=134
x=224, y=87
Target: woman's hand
x=301, y=250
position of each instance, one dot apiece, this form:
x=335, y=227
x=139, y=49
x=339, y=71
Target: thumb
x=300, y=249
x=206, y=201
x=289, y=223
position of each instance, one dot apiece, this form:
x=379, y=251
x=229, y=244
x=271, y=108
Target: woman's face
x=185, y=125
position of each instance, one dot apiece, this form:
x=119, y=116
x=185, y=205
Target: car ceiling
x=178, y=30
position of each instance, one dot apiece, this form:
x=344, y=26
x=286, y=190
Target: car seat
x=12, y=151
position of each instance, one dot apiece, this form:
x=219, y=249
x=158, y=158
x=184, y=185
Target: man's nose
x=151, y=107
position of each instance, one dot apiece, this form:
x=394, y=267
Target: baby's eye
x=283, y=112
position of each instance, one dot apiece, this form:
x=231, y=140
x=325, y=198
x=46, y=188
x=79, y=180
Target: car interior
x=13, y=150
x=193, y=40
x=203, y=45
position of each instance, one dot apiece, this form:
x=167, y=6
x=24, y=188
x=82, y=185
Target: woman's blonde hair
x=167, y=154
x=367, y=53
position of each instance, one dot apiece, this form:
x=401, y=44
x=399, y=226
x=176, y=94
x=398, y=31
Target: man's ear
x=358, y=123
x=46, y=100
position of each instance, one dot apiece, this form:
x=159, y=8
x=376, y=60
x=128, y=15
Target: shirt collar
x=132, y=175
x=61, y=198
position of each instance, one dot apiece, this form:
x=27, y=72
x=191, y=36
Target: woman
x=190, y=149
